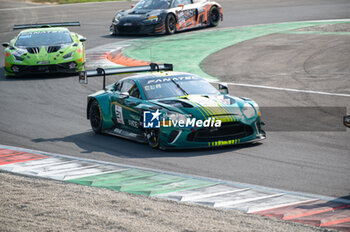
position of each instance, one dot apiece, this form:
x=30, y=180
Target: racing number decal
x=119, y=114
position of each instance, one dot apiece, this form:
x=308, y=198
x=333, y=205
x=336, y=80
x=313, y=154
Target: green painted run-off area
x=188, y=49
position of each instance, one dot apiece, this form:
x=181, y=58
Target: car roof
x=63, y=29
x=155, y=75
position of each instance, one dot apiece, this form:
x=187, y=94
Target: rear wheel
x=214, y=16
x=170, y=24
x=95, y=116
x=152, y=137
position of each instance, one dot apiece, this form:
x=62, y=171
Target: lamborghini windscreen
x=152, y=4
x=43, y=38
x=176, y=86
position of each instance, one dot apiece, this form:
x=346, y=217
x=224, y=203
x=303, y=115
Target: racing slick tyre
x=95, y=116
x=170, y=24
x=214, y=16
x=152, y=137
x=112, y=31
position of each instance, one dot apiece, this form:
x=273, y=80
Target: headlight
x=116, y=18
x=68, y=55
x=248, y=110
x=18, y=58
x=256, y=107
x=174, y=116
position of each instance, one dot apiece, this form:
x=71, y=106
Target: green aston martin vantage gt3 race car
x=172, y=110
x=45, y=48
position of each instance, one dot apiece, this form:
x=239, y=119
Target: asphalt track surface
x=48, y=113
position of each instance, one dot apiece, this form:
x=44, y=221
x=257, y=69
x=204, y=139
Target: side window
x=127, y=85
x=131, y=87
x=118, y=86
x=181, y=2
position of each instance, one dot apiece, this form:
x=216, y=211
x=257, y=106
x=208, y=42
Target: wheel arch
x=90, y=100
x=104, y=103
x=175, y=16
x=218, y=7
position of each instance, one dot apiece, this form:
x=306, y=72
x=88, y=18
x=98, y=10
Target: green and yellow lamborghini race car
x=172, y=110
x=45, y=48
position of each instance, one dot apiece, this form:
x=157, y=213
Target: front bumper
x=182, y=138
x=68, y=67
x=137, y=28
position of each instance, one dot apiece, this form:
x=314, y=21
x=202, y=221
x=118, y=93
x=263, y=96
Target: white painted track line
x=287, y=89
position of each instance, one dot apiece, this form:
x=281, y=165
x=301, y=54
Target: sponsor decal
x=133, y=123
x=168, y=79
x=29, y=34
x=153, y=87
x=119, y=114
x=43, y=62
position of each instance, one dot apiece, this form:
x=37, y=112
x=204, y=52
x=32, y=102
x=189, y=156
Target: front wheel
x=152, y=136
x=95, y=116
x=112, y=30
x=170, y=24
x=214, y=16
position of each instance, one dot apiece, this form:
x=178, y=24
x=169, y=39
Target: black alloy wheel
x=214, y=16
x=95, y=116
x=170, y=24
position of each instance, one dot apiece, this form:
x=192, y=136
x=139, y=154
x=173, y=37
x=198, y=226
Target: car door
x=186, y=13
x=127, y=96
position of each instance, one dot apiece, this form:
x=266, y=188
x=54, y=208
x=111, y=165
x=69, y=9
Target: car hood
x=138, y=14
x=204, y=106
x=43, y=54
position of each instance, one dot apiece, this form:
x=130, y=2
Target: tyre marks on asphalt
x=297, y=207
x=117, y=57
x=97, y=57
x=111, y=55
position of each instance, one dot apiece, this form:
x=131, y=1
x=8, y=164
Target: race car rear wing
x=83, y=75
x=41, y=25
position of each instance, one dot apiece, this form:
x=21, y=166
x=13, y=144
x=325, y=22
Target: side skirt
x=126, y=135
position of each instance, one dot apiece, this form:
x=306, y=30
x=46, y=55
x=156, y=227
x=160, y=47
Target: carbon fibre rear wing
x=42, y=25
x=83, y=75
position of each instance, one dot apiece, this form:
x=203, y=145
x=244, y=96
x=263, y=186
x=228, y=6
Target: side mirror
x=6, y=44
x=347, y=121
x=83, y=77
x=223, y=88
x=82, y=40
x=181, y=5
x=124, y=95
x=132, y=5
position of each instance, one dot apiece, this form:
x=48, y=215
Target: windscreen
x=44, y=38
x=166, y=87
x=152, y=4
